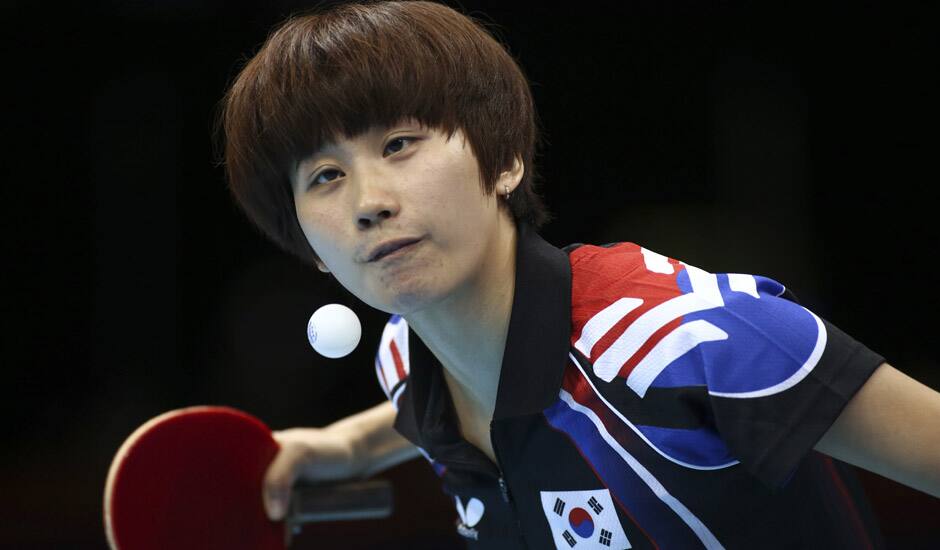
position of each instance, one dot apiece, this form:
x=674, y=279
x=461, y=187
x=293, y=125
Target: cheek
x=452, y=187
x=320, y=232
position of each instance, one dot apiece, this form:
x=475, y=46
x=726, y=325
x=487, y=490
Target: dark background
x=796, y=142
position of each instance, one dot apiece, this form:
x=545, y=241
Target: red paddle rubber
x=192, y=479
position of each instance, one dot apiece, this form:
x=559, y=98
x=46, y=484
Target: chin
x=407, y=301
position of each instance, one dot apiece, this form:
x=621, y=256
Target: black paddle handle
x=351, y=500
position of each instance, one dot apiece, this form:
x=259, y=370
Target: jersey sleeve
x=392, y=371
x=776, y=374
x=391, y=359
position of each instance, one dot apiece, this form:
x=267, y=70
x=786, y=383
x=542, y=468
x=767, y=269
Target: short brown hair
x=343, y=70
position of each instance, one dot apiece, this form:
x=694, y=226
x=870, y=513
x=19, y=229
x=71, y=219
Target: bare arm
x=890, y=427
x=376, y=444
x=359, y=445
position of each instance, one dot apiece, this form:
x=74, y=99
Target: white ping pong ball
x=334, y=331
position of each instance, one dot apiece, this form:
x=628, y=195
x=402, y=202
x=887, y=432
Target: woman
x=606, y=396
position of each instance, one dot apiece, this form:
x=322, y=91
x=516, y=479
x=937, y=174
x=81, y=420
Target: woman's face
x=405, y=181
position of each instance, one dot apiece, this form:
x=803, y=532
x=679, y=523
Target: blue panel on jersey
x=702, y=447
x=769, y=340
x=661, y=523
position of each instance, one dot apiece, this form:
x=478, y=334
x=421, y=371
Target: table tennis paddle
x=192, y=478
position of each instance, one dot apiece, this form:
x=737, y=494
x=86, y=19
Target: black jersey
x=645, y=403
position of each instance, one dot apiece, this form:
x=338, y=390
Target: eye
x=399, y=139
x=396, y=145
x=317, y=179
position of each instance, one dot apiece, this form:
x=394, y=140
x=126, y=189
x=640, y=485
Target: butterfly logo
x=470, y=515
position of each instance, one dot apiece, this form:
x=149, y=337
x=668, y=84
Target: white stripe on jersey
x=399, y=334
x=379, y=374
x=695, y=524
x=636, y=430
x=657, y=263
x=642, y=329
x=603, y=321
x=704, y=285
x=705, y=295
x=397, y=396
x=740, y=282
x=673, y=346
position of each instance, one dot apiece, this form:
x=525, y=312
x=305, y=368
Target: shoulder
x=391, y=359
x=634, y=309
x=611, y=255
x=612, y=266
x=621, y=269
x=614, y=284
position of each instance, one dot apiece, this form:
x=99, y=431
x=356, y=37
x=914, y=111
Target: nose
x=366, y=221
x=376, y=202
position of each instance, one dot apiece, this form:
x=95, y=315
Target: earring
x=507, y=192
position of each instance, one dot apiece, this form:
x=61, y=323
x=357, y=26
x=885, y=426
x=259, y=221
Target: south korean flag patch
x=583, y=519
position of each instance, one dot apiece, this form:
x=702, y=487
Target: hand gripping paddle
x=192, y=478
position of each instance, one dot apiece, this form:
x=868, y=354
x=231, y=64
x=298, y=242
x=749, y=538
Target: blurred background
x=797, y=142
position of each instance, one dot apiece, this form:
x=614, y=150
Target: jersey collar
x=533, y=361
x=539, y=328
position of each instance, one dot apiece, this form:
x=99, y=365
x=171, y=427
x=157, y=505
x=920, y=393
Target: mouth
x=392, y=248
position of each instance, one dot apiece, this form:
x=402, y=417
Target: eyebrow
x=324, y=150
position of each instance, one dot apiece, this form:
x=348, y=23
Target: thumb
x=278, y=480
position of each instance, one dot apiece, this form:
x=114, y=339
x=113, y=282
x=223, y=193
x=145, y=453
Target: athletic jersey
x=645, y=403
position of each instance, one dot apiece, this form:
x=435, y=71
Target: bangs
x=326, y=77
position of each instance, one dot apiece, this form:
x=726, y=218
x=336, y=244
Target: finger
x=278, y=480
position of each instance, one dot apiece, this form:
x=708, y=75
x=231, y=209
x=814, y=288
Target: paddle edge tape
x=130, y=443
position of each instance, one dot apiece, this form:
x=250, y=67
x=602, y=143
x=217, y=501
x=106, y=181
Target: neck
x=467, y=332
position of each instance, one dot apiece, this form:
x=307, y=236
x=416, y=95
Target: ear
x=511, y=177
